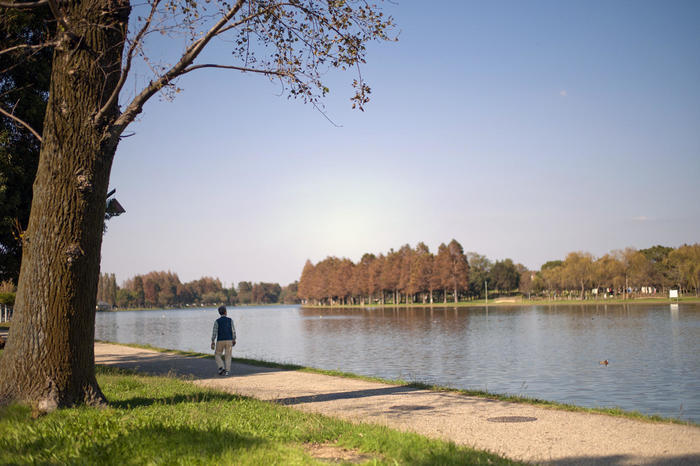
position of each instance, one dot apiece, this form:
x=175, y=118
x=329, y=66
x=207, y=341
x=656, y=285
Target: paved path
x=553, y=437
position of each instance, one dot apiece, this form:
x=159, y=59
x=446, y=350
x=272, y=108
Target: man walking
x=225, y=336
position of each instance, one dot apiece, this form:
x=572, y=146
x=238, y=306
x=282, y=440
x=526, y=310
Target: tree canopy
x=24, y=86
x=96, y=44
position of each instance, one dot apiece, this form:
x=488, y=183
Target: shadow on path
x=344, y=395
x=183, y=366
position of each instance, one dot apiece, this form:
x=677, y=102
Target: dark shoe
x=225, y=373
x=221, y=371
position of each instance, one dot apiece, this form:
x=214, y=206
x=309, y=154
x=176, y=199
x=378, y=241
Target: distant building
x=103, y=306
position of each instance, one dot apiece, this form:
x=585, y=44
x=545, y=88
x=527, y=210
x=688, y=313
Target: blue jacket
x=223, y=329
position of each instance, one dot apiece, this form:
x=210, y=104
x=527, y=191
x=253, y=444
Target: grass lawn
x=166, y=420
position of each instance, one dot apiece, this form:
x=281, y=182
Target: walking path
x=544, y=436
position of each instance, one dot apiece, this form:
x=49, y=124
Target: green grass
x=4, y=325
x=419, y=385
x=161, y=420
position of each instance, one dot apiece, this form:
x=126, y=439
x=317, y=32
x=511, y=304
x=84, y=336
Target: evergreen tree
x=24, y=86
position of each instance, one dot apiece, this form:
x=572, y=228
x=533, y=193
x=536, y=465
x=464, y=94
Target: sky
x=524, y=130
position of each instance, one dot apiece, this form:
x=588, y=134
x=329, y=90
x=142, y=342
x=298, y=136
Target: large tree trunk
x=49, y=359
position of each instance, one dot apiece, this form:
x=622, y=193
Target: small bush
x=7, y=299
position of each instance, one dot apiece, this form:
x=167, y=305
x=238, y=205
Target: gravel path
x=544, y=436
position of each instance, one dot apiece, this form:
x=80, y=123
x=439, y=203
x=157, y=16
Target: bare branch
x=21, y=122
x=23, y=5
x=16, y=89
x=127, y=66
x=246, y=19
x=238, y=68
x=53, y=5
x=325, y=115
x=30, y=47
x=176, y=70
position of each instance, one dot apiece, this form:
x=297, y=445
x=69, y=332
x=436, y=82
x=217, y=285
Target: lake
x=545, y=352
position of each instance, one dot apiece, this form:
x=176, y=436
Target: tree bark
x=49, y=359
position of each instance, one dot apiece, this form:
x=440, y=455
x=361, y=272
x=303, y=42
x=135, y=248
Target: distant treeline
x=416, y=275
x=407, y=275
x=164, y=289
x=651, y=271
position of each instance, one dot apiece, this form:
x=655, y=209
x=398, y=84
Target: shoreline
x=613, y=411
x=497, y=302
x=187, y=308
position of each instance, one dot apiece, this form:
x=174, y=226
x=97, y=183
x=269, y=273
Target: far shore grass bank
x=419, y=385
x=165, y=420
x=515, y=301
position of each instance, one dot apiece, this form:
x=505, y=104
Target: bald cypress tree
x=459, y=268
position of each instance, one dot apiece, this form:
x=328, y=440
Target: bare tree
x=49, y=361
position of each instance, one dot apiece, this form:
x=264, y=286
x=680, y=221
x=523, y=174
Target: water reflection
x=540, y=351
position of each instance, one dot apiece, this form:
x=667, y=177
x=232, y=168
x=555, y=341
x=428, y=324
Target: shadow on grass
x=163, y=444
x=172, y=400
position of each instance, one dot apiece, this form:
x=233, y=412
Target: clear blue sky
x=522, y=129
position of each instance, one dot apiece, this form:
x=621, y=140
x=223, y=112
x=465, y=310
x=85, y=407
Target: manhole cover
x=512, y=419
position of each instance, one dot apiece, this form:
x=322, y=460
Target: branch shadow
x=345, y=395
